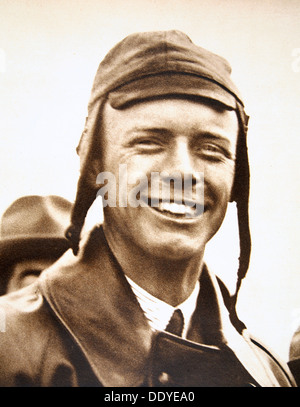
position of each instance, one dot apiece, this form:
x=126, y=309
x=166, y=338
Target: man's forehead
x=172, y=114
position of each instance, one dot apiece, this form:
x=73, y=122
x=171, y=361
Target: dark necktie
x=175, y=325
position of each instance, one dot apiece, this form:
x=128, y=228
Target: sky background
x=49, y=53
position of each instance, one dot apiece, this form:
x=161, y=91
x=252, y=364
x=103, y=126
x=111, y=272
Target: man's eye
x=148, y=144
x=211, y=148
x=212, y=151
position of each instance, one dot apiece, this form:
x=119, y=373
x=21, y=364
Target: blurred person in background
x=31, y=238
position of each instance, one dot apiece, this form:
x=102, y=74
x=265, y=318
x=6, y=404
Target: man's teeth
x=176, y=209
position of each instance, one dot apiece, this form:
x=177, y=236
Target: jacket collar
x=92, y=298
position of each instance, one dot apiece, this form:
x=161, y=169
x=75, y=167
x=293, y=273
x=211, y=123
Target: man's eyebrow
x=212, y=136
x=152, y=130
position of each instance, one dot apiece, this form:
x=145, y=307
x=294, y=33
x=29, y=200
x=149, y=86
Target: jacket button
x=163, y=378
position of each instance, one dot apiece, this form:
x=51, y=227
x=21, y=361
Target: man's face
x=170, y=136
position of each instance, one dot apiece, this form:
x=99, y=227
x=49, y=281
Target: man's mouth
x=176, y=210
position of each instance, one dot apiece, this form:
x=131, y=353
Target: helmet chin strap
x=244, y=259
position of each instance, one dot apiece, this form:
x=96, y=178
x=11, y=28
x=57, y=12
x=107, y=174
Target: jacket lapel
x=92, y=298
x=241, y=344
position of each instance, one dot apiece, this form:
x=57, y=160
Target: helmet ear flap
x=240, y=195
x=89, y=151
x=242, y=172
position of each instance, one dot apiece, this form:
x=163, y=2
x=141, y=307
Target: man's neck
x=169, y=280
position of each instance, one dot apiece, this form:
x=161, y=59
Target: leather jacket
x=81, y=325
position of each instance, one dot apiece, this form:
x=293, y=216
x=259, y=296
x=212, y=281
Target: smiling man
x=133, y=303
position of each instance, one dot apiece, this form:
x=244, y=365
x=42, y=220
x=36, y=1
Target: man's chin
x=179, y=249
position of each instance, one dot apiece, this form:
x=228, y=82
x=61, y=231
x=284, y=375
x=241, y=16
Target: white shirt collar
x=159, y=312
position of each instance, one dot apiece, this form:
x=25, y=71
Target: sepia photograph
x=149, y=195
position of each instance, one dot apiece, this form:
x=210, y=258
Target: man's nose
x=183, y=161
x=183, y=174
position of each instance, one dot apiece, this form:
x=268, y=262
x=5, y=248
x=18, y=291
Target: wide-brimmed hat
x=33, y=227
